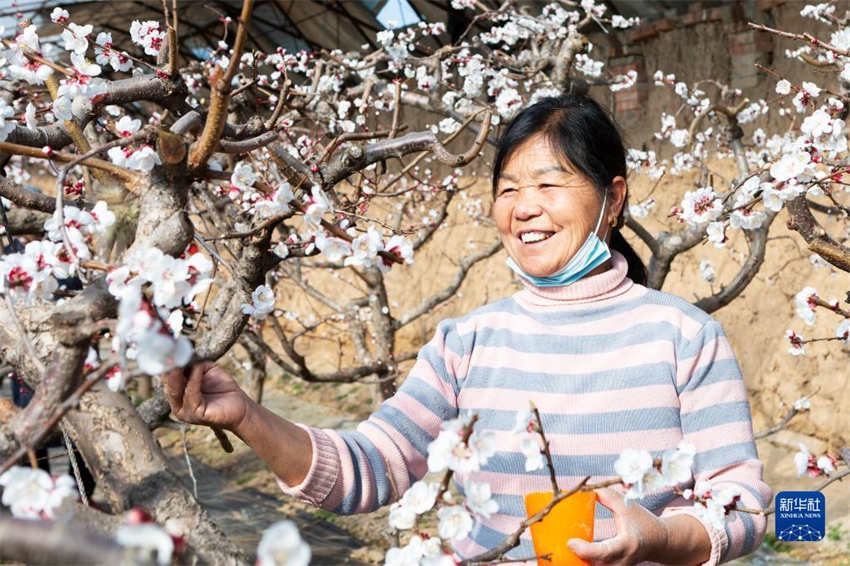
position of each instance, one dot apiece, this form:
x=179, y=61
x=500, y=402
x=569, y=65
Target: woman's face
x=545, y=209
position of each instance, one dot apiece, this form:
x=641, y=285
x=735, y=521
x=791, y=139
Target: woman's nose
x=527, y=203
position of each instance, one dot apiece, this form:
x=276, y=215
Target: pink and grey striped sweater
x=610, y=364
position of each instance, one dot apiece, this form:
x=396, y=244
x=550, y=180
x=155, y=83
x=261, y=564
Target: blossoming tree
x=187, y=191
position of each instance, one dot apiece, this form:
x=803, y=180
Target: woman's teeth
x=531, y=237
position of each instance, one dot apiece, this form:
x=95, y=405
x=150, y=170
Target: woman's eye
x=506, y=191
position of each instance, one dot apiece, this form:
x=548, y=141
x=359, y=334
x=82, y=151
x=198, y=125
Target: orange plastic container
x=570, y=518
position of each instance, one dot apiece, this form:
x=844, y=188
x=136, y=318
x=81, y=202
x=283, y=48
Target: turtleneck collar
x=609, y=283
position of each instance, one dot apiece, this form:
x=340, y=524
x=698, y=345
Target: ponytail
x=637, y=271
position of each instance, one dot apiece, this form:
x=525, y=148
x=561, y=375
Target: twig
x=498, y=552
x=447, y=478
x=546, y=452
x=396, y=110
x=189, y=461
x=69, y=448
x=807, y=37
x=220, y=97
x=125, y=175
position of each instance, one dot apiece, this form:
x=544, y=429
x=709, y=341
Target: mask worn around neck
x=592, y=253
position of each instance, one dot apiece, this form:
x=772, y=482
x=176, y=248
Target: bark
x=256, y=377
x=131, y=471
x=62, y=542
x=23, y=221
x=803, y=221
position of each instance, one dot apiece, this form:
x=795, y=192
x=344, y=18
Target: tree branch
x=819, y=241
x=220, y=97
x=449, y=291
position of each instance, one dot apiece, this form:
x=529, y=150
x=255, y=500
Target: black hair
x=583, y=134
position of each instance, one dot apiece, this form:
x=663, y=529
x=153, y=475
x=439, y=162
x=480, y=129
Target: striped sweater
x=610, y=364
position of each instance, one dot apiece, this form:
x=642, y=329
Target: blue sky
x=397, y=13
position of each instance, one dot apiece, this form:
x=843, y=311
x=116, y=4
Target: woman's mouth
x=534, y=237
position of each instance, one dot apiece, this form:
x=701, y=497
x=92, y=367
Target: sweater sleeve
x=715, y=418
x=361, y=470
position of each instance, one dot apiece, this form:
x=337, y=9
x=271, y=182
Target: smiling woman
x=612, y=366
x=559, y=160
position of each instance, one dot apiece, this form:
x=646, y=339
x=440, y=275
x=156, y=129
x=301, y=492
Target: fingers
x=193, y=398
x=612, y=499
x=174, y=382
x=608, y=550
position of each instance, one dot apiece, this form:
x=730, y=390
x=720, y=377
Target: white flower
x=783, y=87
x=797, y=347
x=401, y=516
x=365, y=248
x=817, y=124
x=281, y=250
x=801, y=459
x=6, y=111
x=62, y=110
x=701, y=205
x=160, y=352
x=75, y=38
x=149, y=536
x=317, y=207
x=843, y=330
x=282, y=545
x=262, y=302
x=143, y=159
x=805, y=306
x=747, y=219
x=811, y=88
x=706, y=271
x=115, y=379
x=802, y=404
x=826, y=465
x=716, y=232
x=633, y=467
x=243, y=176
x=679, y=138
x=525, y=422
x=334, y=248
x=59, y=15
x=449, y=125
x=713, y=509
x=483, y=445
x=479, y=498
x=147, y=34
x=32, y=493
x=83, y=67
x=790, y=165
x=676, y=464
x=400, y=247
x=455, y=522
x=440, y=450
x=421, y=496
x=530, y=448
x=103, y=217
x=29, y=116
x=127, y=126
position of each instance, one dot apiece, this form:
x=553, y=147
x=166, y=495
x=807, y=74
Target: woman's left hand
x=640, y=533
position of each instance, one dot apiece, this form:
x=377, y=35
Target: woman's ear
x=617, y=194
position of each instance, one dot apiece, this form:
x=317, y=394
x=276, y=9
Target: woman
x=610, y=364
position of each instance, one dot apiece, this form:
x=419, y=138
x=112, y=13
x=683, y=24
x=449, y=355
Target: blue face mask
x=592, y=253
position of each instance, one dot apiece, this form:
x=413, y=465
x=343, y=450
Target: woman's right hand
x=204, y=393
